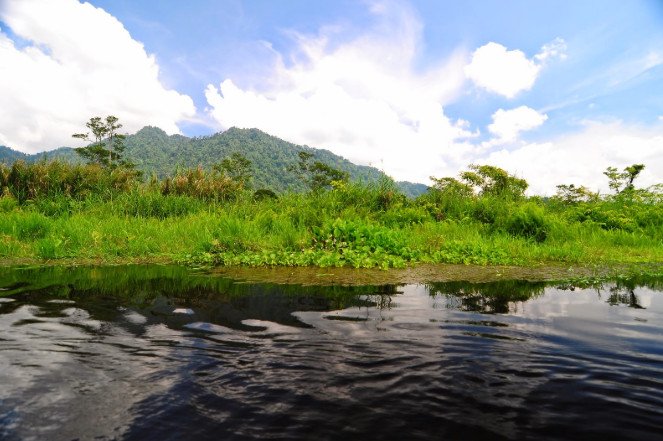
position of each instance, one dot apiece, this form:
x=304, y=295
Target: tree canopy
x=483, y=180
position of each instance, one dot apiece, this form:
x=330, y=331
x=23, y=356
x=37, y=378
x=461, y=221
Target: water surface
x=165, y=353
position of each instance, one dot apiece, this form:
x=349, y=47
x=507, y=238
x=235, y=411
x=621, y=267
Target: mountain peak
x=151, y=131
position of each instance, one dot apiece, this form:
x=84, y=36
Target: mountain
x=154, y=151
x=8, y=155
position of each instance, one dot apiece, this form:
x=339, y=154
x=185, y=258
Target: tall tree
x=106, y=146
x=622, y=182
x=318, y=175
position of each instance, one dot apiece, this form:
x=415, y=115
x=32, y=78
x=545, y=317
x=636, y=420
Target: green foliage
x=616, y=215
x=489, y=210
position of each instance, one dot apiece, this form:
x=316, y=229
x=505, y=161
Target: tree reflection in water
x=492, y=297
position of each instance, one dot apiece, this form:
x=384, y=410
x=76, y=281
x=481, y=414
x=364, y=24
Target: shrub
x=528, y=221
x=201, y=184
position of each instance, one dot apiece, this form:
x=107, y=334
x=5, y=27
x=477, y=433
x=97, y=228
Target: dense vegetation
x=55, y=210
x=274, y=161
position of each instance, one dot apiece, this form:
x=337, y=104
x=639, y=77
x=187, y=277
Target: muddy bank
x=417, y=274
x=423, y=273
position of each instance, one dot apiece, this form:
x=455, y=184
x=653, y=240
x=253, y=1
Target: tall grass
x=44, y=179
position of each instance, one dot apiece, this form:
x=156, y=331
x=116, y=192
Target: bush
x=488, y=210
x=528, y=221
x=201, y=184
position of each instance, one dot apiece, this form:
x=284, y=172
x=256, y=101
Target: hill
x=8, y=155
x=154, y=151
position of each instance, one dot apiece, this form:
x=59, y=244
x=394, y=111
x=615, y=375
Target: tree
x=318, y=175
x=571, y=194
x=237, y=167
x=451, y=186
x=106, y=146
x=494, y=181
x=622, y=182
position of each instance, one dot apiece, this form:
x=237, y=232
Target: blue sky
x=552, y=91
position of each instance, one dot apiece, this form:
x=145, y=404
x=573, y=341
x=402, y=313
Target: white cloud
x=580, y=158
x=508, y=124
x=362, y=99
x=82, y=63
x=554, y=49
x=508, y=72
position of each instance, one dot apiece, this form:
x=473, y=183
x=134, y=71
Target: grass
x=194, y=219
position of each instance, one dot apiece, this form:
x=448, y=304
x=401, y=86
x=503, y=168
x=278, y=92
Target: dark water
x=161, y=353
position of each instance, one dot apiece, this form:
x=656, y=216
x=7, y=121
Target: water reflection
x=490, y=297
x=167, y=353
x=175, y=295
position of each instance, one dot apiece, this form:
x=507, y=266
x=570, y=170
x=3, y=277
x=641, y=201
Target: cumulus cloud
x=79, y=62
x=507, y=72
x=363, y=99
x=580, y=158
x=508, y=124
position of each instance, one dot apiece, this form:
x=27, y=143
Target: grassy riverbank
x=112, y=217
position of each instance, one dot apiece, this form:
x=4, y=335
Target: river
x=168, y=353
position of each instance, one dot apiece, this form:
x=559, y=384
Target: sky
x=551, y=91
